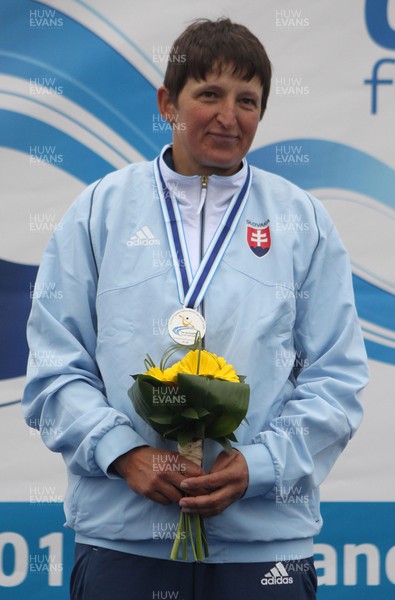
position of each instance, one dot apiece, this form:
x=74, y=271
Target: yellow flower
x=168, y=375
x=209, y=365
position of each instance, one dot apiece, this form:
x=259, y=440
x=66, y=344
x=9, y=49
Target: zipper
x=203, y=192
x=201, y=210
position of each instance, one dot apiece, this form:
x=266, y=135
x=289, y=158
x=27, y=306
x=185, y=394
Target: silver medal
x=184, y=324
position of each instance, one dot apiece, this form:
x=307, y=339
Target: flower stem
x=191, y=537
x=184, y=537
x=191, y=527
x=198, y=537
x=198, y=342
x=178, y=538
x=204, y=537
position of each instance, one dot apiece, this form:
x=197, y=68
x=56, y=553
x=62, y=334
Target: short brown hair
x=206, y=45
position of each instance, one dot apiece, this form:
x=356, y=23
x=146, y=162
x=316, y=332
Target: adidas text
x=277, y=576
x=143, y=237
x=276, y=580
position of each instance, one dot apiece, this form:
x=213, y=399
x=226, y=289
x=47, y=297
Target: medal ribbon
x=192, y=290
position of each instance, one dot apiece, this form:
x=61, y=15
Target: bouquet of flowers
x=198, y=397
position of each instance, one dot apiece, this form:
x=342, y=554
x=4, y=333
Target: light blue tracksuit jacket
x=286, y=320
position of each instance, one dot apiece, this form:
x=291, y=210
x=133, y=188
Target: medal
x=184, y=324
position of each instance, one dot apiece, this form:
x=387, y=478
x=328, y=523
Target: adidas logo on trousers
x=277, y=576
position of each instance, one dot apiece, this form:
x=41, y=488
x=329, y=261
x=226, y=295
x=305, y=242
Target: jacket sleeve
x=64, y=395
x=323, y=409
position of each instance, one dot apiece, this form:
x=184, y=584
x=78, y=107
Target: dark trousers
x=101, y=574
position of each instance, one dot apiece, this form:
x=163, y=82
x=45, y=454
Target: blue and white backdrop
x=77, y=100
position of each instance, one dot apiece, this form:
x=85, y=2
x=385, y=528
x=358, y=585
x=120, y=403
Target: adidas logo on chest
x=143, y=237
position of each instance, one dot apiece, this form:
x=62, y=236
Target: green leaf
x=171, y=433
x=199, y=429
x=227, y=402
x=184, y=437
x=146, y=395
x=162, y=419
x=225, y=444
x=202, y=412
x=148, y=362
x=214, y=408
x=190, y=413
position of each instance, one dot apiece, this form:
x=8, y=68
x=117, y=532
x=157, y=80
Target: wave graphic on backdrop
x=356, y=179
x=81, y=107
x=51, y=101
